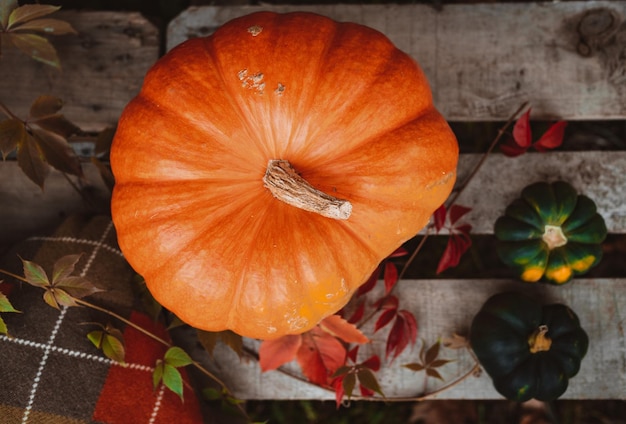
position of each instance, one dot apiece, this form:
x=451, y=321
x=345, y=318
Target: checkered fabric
x=50, y=372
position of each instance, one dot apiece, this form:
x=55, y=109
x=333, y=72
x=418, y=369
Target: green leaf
x=29, y=12
x=47, y=26
x=349, y=381
x=6, y=7
x=157, y=375
x=58, y=152
x=96, y=337
x=113, y=348
x=5, y=304
x=37, y=47
x=12, y=134
x=342, y=370
x=35, y=274
x=176, y=357
x=30, y=160
x=57, y=297
x=3, y=327
x=211, y=393
x=368, y=380
x=173, y=380
x=45, y=105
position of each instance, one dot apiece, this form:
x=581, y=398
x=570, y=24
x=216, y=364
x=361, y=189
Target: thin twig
x=492, y=146
x=8, y=112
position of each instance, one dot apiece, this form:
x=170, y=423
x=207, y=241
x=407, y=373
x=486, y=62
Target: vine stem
x=139, y=328
x=8, y=112
x=492, y=146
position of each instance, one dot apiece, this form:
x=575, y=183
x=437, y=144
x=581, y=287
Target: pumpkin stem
x=286, y=185
x=538, y=341
x=554, y=237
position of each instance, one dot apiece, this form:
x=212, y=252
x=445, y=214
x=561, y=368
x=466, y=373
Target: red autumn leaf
x=339, y=327
x=339, y=391
x=522, y=137
x=385, y=318
x=552, y=138
x=458, y=244
x=440, y=217
x=390, y=276
x=358, y=313
x=274, y=353
x=353, y=353
x=373, y=363
x=320, y=355
x=522, y=133
x=511, y=149
x=387, y=302
x=457, y=212
x=403, y=333
x=370, y=283
x=399, y=252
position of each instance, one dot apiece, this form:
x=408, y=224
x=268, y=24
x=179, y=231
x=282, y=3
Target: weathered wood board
x=26, y=210
x=445, y=307
x=102, y=68
x=484, y=60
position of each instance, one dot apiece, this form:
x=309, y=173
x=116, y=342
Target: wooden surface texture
x=483, y=61
x=102, y=68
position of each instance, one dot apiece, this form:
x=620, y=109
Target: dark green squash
x=551, y=233
x=529, y=350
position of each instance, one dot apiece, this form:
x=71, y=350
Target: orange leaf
x=320, y=355
x=339, y=327
x=274, y=353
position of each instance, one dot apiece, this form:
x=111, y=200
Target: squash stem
x=286, y=185
x=554, y=237
x=538, y=341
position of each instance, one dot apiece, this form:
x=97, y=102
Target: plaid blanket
x=50, y=372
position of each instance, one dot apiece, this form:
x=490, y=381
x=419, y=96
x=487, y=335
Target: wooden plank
x=484, y=60
x=599, y=175
x=26, y=210
x=102, y=68
x=445, y=307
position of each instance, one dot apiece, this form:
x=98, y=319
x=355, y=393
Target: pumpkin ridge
x=230, y=95
x=356, y=99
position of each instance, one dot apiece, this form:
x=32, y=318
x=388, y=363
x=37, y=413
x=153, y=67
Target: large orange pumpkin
x=263, y=172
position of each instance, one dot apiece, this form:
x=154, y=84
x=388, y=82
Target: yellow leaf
x=37, y=47
x=29, y=12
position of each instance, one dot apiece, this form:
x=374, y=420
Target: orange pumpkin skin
x=350, y=112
